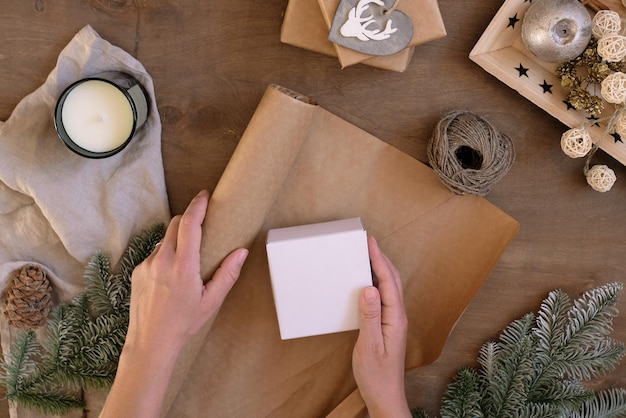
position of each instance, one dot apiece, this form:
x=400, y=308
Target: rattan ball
x=576, y=142
x=614, y=88
x=606, y=22
x=601, y=178
x=612, y=47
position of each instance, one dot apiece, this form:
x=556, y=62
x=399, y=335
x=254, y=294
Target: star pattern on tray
x=617, y=137
x=523, y=71
x=512, y=21
x=568, y=105
x=547, y=88
x=593, y=119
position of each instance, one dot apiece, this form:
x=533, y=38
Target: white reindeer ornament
x=371, y=26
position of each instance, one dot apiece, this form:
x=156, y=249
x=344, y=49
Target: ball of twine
x=606, y=22
x=576, y=143
x=468, y=154
x=612, y=47
x=601, y=178
x=613, y=88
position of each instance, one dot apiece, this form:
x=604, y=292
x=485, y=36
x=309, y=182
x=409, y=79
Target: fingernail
x=370, y=294
x=242, y=255
x=202, y=193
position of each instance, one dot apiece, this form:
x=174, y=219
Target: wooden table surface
x=211, y=62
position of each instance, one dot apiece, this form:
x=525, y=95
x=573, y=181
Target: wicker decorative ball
x=601, y=178
x=606, y=22
x=576, y=143
x=612, y=47
x=613, y=88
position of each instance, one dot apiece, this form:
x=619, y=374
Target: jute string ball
x=612, y=47
x=601, y=178
x=613, y=88
x=576, y=143
x=468, y=154
x=606, y=22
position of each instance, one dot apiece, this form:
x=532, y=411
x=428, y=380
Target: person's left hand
x=169, y=301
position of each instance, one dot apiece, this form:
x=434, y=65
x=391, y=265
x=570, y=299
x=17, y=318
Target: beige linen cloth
x=58, y=209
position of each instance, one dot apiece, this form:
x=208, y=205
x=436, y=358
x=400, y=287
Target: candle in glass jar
x=97, y=116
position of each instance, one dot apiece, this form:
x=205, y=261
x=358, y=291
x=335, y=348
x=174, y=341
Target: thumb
x=216, y=289
x=370, y=316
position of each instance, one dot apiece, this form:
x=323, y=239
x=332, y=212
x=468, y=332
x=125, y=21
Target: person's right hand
x=378, y=356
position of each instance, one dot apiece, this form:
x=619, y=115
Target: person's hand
x=169, y=301
x=378, y=356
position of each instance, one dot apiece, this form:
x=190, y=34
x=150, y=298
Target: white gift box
x=318, y=272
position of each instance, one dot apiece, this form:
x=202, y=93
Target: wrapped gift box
x=307, y=24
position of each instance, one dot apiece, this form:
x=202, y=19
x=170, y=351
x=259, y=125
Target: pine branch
x=591, y=317
x=138, y=247
x=98, y=284
x=21, y=364
x=85, y=337
x=610, y=403
x=508, y=388
x=537, y=367
x=462, y=398
x=48, y=403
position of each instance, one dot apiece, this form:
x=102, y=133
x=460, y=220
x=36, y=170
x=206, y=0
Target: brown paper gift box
x=296, y=164
x=307, y=22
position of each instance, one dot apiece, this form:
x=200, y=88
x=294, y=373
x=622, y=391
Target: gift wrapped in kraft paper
x=297, y=164
x=307, y=24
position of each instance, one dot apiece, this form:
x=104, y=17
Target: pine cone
x=29, y=298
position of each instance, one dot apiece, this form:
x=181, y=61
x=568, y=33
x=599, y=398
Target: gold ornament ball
x=556, y=30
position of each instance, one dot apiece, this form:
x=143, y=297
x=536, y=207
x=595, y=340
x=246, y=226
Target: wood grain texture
x=211, y=62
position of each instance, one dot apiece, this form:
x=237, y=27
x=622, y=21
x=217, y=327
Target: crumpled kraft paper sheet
x=58, y=209
x=297, y=164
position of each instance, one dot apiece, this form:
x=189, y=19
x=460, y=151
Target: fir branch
x=566, y=396
x=537, y=367
x=551, y=322
x=487, y=358
x=55, y=403
x=85, y=337
x=462, y=398
x=610, y=403
x=541, y=410
x=419, y=413
x=97, y=284
x=21, y=364
x=138, y=247
x=508, y=388
x=591, y=317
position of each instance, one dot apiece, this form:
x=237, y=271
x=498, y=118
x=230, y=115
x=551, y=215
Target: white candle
x=97, y=116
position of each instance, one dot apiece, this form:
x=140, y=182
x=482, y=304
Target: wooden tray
x=501, y=52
